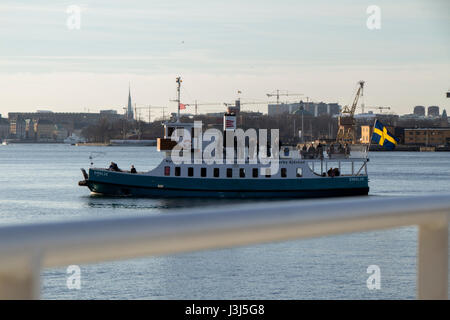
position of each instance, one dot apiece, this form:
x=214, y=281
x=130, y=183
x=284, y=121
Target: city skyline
x=319, y=49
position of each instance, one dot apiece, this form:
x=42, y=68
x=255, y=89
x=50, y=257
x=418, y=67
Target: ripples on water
x=39, y=183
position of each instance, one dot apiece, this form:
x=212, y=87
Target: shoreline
x=373, y=148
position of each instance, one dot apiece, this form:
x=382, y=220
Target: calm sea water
x=39, y=183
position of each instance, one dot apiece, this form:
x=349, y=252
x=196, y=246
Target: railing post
x=432, y=275
x=21, y=280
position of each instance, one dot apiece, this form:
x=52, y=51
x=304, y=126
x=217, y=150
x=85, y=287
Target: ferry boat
x=300, y=174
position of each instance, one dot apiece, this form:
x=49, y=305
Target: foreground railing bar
x=286, y=221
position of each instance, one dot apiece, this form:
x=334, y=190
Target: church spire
x=130, y=114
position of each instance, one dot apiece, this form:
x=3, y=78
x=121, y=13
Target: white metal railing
x=25, y=249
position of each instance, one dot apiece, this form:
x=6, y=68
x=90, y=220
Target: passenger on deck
x=330, y=172
x=347, y=149
x=320, y=150
x=336, y=172
x=312, y=151
x=133, y=169
x=113, y=167
x=303, y=151
x=330, y=151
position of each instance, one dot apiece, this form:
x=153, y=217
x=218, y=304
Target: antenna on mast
x=179, y=81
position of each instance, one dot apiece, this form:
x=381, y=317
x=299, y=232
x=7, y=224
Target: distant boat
x=133, y=142
x=4, y=143
x=74, y=139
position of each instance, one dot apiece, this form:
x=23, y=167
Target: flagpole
x=370, y=140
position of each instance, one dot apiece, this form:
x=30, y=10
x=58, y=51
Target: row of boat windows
x=229, y=172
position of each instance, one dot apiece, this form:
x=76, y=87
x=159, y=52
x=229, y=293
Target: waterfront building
x=30, y=134
x=75, y=120
x=366, y=134
x=45, y=130
x=427, y=136
x=106, y=112
x=17, y=127
x=4, y=128
x=60, y=133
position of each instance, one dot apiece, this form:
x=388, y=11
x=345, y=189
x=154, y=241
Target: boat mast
x=178, y=96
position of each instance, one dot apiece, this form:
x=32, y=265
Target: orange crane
x=346, y=132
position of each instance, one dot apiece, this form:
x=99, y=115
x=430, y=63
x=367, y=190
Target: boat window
x=283, y=172
x=229, y=172
x=359, y=168
x=190, y=172
x=242, y=172
x=167, y=171
x=346, y=168
x=177, y=171
x=268, y=173
x=216, y=172
x=299, y=172
x=255, y=172
x=316, y=167
x=203, y=172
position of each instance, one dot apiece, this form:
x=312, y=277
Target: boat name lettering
x=101, y=173
x=358, y=179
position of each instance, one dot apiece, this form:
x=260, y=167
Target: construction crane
x=249, y=102
x=226, y=104
x=278, y=94
x=380, y=108
x=346, y=132
x=149, y=111
x=195, y=104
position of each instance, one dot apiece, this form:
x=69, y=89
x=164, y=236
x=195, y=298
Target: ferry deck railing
x=26, y=249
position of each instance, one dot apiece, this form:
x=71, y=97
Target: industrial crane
x=346, y=132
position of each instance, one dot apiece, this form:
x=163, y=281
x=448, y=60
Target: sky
x=320, y=49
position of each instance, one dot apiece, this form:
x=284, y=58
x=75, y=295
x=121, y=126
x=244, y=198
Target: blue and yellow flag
x=382, y=136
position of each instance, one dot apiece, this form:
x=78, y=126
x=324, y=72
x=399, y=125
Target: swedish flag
x=382, y=136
